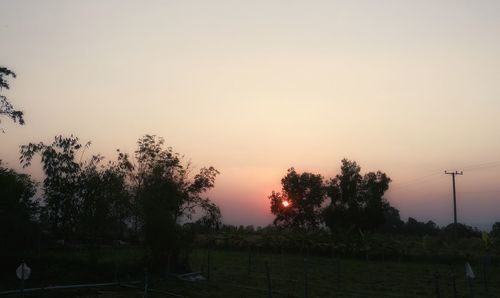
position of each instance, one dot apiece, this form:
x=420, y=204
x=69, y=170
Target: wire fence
x=226, y=273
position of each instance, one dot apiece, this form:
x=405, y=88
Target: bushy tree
x=356, y=201
x=298, y=205
x=84, y=199
x=166, y=195
x=60, y=185
x=6, y=108
x=18, y=210
x=415, y=227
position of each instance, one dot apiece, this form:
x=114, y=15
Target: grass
x=243, y=274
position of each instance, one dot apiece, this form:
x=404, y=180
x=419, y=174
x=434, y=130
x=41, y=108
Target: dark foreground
x=252, y=274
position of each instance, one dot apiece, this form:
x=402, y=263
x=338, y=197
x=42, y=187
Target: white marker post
x=23, y=273
x=469, y=274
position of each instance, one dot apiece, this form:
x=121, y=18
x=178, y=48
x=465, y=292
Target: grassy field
x=243, y=274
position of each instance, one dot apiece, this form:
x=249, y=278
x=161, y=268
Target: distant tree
x=415, y=227
x=460, y=230
x=18, y=211
x=298, y=206
x=495, y=230
x=392, y=221
x=6, y=108
x=356, y=201
x=495, y=235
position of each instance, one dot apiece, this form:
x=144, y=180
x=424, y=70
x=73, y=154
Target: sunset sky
x=411, y=88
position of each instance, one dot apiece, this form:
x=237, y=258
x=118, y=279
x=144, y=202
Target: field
x=252, y=274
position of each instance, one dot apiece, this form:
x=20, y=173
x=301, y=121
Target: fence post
x=471, y=290
x=454, y=283
x=484, y=262
x=306, y=289
x=208, y=263
x=145, y=295
x=249, y=260
x=436, y=278
x=269, y=288
x=338, y=273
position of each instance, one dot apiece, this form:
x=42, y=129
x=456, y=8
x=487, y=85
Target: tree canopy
x=6, y=108
x=155, y=192
x=299, y=204
x=356, y=201
x=18, y=209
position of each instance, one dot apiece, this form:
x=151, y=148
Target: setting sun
x=286, y=203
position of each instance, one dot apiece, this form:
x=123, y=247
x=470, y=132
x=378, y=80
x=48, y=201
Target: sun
x=286, y=203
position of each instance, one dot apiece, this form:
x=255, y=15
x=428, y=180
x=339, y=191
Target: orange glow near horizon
x=286, y=203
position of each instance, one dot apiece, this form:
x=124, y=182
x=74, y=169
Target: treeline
x=393, y=226
x=86, y=201
x=350, y=201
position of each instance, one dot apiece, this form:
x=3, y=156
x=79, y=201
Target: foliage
x=61, y=182
x=6, y=107
x=166, y=194
x=299, y=204
x=461, y=231
x=18, y=210
x=356, y=201
x=415, y=227
x=83, y=200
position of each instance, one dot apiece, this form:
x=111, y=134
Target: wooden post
x=208, y=264
x=471, y=290
x=145, y=295
x=269, y=288
x=436, y=278
x=306, y=286
x=338, y=273
x=454, y=283
x=249, y=260
x=484, y=262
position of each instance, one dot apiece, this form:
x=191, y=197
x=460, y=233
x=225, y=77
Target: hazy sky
x=411, y=88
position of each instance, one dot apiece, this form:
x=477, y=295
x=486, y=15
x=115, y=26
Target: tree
x=356, y=201
x=83, y=199
x=298, y=206
x=60, y=184
x=18, y=210
x=6, y=107
x=166, y=195
x=104, y=200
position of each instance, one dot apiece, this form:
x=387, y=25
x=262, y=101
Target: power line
x=428, y=178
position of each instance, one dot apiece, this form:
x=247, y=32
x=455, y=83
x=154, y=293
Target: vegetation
x=150, y=210
x=6, y=108
x=148, y=199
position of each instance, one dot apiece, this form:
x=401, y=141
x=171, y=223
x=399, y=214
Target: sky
x=252, y=88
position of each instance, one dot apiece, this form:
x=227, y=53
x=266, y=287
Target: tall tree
x=6, y=108
x=83, y=198
x=356, y=201
x=60, y=184
x=298, y=206
x=166, y=195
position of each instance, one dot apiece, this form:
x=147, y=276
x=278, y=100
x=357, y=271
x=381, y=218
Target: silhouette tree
x=83, y=199
x=6, y=108
x=356, y=201
x=298, y=206
x=18, y=210
x=166, y=195
x=60, y=184
x=104, y=200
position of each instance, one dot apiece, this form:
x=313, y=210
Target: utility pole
x=453, y=174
